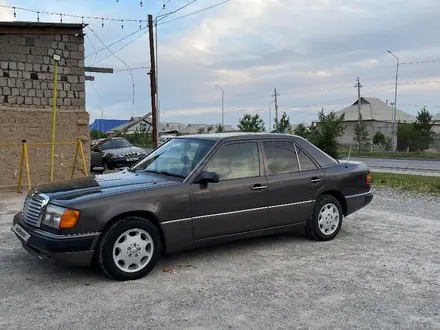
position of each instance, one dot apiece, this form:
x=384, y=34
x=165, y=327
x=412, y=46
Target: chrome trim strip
x=360, y=195
x=237, y=212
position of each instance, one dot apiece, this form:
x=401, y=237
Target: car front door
x=238, y=203
x=293, y=182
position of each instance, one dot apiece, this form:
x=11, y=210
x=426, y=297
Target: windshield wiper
x=165, y=173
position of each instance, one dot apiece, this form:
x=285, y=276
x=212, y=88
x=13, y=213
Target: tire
x=326, y=220
x=130, y=241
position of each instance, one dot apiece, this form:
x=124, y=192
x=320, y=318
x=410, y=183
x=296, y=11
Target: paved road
x=429, y=165
x=381, y=272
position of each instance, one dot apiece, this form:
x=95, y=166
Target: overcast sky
x=311, y=51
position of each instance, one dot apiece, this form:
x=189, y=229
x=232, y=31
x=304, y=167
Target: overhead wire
x=131, y=72
x=195, y=12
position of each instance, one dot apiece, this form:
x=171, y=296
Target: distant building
x=169, y=127
x=104, y=125
x=376, y=114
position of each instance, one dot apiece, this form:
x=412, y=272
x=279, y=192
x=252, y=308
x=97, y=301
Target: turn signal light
x=69, y=219
x=368, y=179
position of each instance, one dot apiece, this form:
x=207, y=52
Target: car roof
x=235, y=136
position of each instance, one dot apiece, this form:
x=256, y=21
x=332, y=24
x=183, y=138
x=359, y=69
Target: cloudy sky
x=311, y=51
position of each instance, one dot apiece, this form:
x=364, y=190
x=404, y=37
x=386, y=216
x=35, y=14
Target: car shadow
x=44, y=270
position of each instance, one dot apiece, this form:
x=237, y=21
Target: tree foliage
x=251, y=123
x=379, y=139
x=326, y=132
x=361, y=134
x=418, y=135
x=302, y=130
x=219, y=128
x=283, y=126
x=95, y=134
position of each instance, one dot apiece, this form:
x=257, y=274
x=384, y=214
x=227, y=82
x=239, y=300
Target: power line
x=174, y=11
x=120, y=48
x=133, y=69
x=131, y=73
x=195, y=12
x=420, y=62
x=117, y=41
x=61, y=15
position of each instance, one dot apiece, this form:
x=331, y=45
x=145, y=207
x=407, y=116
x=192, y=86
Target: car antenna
x=348, y=157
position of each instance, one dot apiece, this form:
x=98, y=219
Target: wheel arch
x=147, y=215
x=338, y=195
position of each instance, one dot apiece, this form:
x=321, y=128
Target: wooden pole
x=153, y=81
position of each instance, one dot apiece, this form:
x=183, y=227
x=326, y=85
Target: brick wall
x=27, y=71
x=34, y=125
x=26, y=87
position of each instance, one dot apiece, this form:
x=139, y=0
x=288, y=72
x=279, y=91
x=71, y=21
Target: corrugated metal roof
x=374, y=109
x=436, y=117
x=104, y=125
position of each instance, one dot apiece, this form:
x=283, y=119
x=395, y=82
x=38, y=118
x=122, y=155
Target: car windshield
x=177, y=157
x=115, y=143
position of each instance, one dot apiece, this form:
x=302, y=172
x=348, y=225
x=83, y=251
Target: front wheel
x=326, y=220
x=130, y=249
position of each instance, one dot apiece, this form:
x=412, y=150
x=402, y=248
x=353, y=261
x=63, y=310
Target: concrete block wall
x=34, y=125
x=27, y=71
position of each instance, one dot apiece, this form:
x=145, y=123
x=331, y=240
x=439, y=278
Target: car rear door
x=238, y=203
x=293, y=182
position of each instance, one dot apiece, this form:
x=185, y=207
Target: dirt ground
x=382, y=272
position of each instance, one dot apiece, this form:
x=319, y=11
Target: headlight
x=60, y=218
x=117, y=156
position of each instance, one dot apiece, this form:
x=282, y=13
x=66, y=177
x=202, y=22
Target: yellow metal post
x=76, y=159
x=54, y=119
x=81, y=150
x=20, y=175
x=27, y=166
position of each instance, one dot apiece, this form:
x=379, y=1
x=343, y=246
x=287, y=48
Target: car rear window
x=280, y=157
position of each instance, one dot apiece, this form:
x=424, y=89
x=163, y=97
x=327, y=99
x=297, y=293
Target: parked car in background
x=115, y=153
x=190, y=192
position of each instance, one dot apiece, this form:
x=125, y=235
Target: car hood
x=99, y=184
x=125, y=150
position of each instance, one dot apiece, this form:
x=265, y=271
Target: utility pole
x=153, y=81
x=275, y=94
x=359, y=86
x=395, y=103
x=223, y=105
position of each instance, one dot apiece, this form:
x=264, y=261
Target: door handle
x=315, y=180
x=258, y=187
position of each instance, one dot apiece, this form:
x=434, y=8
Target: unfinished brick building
x=26, y=88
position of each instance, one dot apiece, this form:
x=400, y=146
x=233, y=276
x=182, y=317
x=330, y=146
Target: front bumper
x=357, y=202
x=73, y=250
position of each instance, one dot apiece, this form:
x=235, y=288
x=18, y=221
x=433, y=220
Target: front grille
x=32, y=209
x=131, y=154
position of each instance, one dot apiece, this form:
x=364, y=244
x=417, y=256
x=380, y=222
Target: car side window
x=236, y=161
x=306, y=163
x=280, y=157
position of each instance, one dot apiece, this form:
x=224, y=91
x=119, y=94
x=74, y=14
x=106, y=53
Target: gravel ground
x=382, y=272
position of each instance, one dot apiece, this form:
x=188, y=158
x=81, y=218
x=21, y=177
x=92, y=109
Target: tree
x=95, y=134
x=326, y=132
x=378, y=139
x=201, y=130
x=251, y=123
x=283, y=126
x=210, y=128
x=361, y=133
x=219, y=128
x=302, y=130
x=422, y=133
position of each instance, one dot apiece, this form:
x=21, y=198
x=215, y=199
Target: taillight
x=368, y=179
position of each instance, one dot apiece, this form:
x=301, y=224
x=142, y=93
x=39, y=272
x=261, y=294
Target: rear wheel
x=326, y=220
x=130, y=249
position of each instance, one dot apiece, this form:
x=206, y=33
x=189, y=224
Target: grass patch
x=416, y=183
x=391, y=154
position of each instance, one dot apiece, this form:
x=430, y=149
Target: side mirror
x=208, y=177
